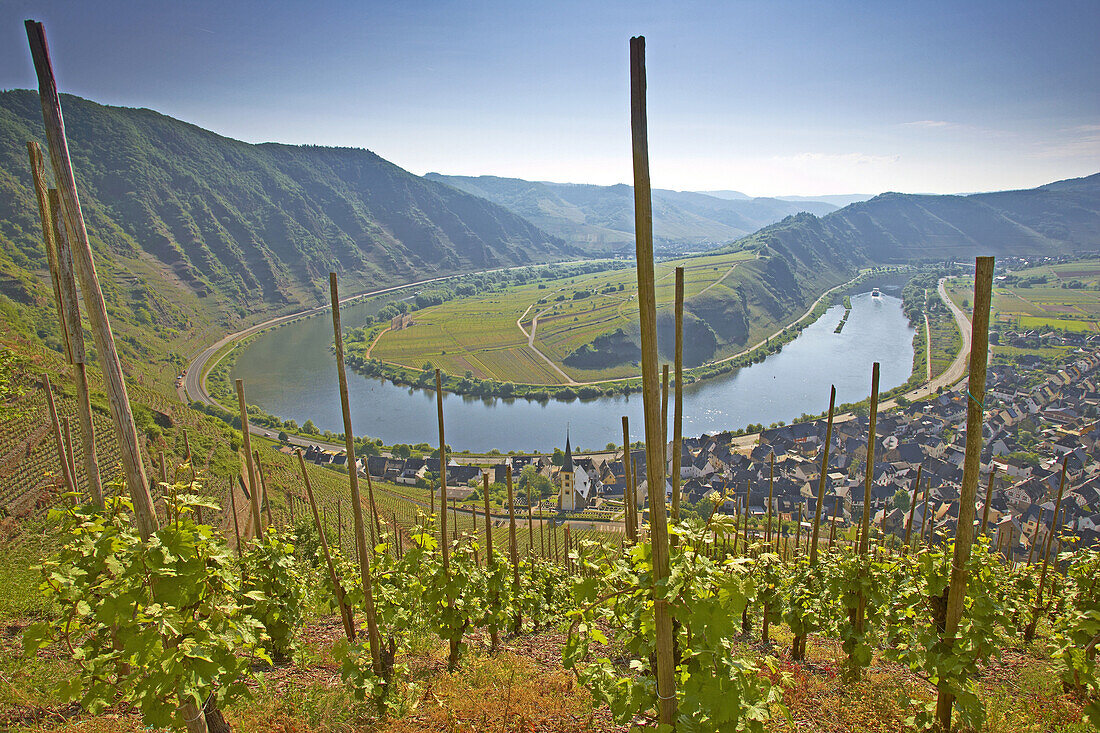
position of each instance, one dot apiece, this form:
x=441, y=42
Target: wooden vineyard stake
x=1035, y=536
x=488, y=525
x=568, y=548
x=442, y=473
x=832, y=528
x=664, y=403
x=263, y=487
x=59, y=438
x=1029, y=630
x=353, y=479
x=924, y=509
x=869, y=477
x=339, y=525
x=630, y=504
x=678, y=396
x=530, y=520
x=253, y=482
x=988, y=498
x=397, y=549
x=338, y=587
x=823, y=478
x=869, y=472
x=76, y=343
x=236, y=526
x=654, y=430
x=964, y=532
x=377, y=532
x=60, y=259
x=932, y=528
x=189, y=460
x=798, y=531
x=69, y=456
x=771, y=493
x=912, y=508
x=513, y=549
x=122, y=417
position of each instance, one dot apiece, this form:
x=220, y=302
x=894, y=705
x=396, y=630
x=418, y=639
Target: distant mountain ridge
x=601, y=218
x=257, y=226
x=838, y=200
x=1059, y=218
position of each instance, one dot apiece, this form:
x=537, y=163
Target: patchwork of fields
x=488, y=334
x=1062, y=296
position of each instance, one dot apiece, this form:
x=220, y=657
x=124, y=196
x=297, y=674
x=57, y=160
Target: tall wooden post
x=655, y=446
x=924, y=511
x=338, y=587
x=988, y=498
x=443, y=473
x=1029, y=631
x=678, y=397
x=513, y=549
x=353, y=479
x=630, y=503
x=62, y=458
x=771, y=492
x=253, y=481
x=122, y=417
x=263, y=486
x=1035, y=536
x=60, y=258
x=824, y=476
x=912, y=508
x=236, y=525
x=664, y=405
x=832, y=527
x=748, y=512
x=530, y=521
x=869, y=477
x=869, y=474
x=964, y=533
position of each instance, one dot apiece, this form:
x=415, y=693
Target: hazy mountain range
x=601, y=218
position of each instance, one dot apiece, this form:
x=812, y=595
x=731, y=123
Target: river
x=290, y=372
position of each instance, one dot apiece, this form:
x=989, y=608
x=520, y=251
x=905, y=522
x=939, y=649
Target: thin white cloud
x=837, y=158
x=929, y=124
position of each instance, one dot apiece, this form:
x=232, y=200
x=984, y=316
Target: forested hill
x=601, y=218
x=255, y=227
x=1058, y=218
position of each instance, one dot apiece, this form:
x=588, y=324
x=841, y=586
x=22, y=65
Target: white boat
x=875, y=293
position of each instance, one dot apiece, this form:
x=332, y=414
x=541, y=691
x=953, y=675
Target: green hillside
x=1058, y=218
x=193, y=227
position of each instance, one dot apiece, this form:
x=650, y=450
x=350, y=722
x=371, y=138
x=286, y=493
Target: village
x=1038, y=417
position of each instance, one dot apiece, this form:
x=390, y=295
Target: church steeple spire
x=567, y=465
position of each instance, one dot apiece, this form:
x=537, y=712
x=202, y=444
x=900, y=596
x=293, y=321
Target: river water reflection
x=290, y=372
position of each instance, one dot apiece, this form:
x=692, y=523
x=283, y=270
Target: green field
x=1064, y=297
x=482, y=334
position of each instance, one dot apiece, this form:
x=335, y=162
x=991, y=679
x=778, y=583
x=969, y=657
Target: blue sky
x=768, y=98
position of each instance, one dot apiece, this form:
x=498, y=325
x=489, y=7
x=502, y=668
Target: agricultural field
x=1060, y=297
x=488, y=334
